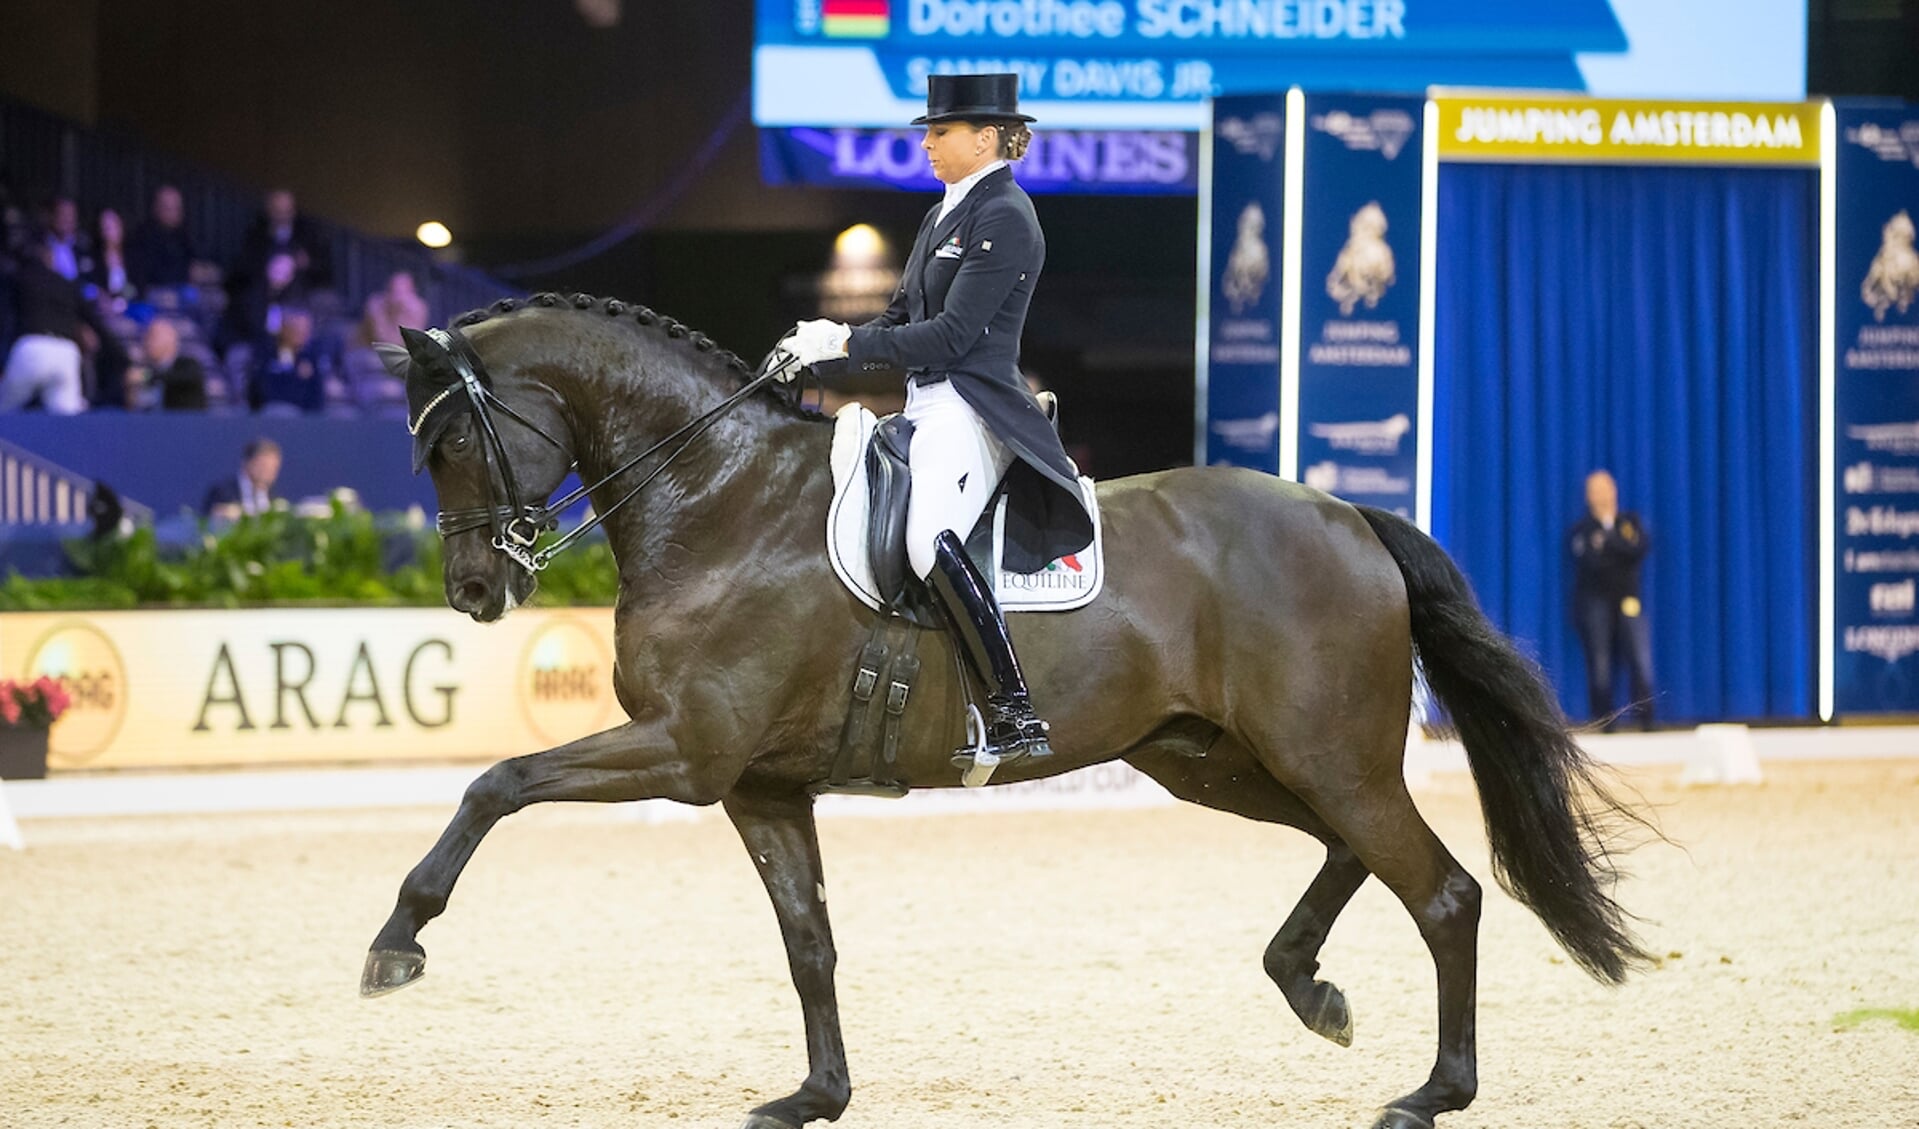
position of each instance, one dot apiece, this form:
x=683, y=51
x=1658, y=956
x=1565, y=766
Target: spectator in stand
x=290, y=377
x=107, y=280
x=161, y=252
x=71, y=252
x=251, y=491
x=281, y=229
x=398, y=304
x=179, y=383
x=53, y=319
x=254, y=317
x=387, y=309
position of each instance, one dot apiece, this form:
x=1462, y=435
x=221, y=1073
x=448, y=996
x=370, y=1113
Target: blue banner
x=1876, y=417
x=1359, y=299
x=1153, y=63
x=1242, y=344
x=1219, y=26
x=1087, y=162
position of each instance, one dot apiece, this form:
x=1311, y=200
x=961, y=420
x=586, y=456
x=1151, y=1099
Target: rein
x=517, y=526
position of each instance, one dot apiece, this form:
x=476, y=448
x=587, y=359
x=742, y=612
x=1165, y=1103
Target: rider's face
x=956, y=150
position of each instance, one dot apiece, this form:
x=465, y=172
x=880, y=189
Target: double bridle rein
x=516, y=524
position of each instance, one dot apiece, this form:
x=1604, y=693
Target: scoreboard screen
x=1151, y=64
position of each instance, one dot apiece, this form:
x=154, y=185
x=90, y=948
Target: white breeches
x=49, y=366
x=956, y=464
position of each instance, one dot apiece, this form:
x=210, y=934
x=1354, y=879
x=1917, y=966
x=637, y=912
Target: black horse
x=1253, y=651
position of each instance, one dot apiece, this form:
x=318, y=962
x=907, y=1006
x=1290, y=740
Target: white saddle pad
x=1070, y=582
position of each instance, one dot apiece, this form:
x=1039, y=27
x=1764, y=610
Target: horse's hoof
x=1331, y=1017
x=766, y=1121
x=389, y=970
x=1397, y=1117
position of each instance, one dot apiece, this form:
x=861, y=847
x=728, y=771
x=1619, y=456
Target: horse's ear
x=418, y=343
x=394, y=357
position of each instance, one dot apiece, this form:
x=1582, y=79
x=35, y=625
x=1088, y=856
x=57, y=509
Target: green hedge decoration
x=279, y=559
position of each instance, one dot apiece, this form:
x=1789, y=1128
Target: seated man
x=280, y=229
x=253, y=320
x=179, y=382
x=161, y=252
x=251, y=491
x=70, y=249
x=290, y=377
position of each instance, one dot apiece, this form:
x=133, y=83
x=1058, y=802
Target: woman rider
x=954, y=328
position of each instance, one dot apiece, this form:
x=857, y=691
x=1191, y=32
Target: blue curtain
x=1660, y=323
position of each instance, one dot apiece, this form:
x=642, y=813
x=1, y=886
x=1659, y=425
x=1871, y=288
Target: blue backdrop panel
x=1876, y=402
x=168, y=460
x=1359, y=299
x=1249, y=187
x=1660, y=323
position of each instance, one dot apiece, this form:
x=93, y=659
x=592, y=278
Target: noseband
x=516, y=525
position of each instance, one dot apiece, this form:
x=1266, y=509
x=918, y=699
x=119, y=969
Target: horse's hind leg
x=1372, y=812
x=609, y=767
x=1228, y=778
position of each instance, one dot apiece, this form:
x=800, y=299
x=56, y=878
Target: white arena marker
x=1722, y=754
x=9, y=828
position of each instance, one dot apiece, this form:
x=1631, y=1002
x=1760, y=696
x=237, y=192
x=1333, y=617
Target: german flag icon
x=854, y=19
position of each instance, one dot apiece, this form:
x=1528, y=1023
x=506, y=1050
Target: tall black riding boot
x=1012, y=729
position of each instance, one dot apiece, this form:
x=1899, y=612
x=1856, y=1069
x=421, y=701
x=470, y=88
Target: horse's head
x=496, y=445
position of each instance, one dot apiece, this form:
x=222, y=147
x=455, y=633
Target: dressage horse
x=1253, y=651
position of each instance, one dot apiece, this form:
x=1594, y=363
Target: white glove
x=811, y=342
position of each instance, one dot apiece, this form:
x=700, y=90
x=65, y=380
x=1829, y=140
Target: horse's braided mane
x=787, y=396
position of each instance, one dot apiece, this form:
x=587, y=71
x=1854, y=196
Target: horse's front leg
x=628, y=763
x=778, y=832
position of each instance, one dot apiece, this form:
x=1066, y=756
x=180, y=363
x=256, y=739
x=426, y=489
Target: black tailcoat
x=957, y=316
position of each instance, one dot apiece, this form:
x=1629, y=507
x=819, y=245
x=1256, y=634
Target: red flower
x=36, y=704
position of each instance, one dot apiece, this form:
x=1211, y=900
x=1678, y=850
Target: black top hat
x=971, y=97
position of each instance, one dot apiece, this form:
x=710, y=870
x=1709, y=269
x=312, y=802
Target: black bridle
x=516, y=525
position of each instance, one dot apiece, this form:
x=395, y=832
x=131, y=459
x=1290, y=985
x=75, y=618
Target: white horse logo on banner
x=1893, y=278
x=1248, y=264
x=1364, y=270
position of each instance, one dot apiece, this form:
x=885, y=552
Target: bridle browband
x=516, y=525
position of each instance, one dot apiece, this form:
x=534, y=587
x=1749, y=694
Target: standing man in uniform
x=1608, y=548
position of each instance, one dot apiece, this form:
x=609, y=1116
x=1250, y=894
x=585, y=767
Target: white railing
x=36, y=491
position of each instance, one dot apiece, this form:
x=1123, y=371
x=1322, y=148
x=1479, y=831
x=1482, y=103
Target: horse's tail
x=1550, y=822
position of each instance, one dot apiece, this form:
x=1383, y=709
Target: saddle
x=866, y=529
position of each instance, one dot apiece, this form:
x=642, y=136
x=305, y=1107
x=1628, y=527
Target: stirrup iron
x=976, y=761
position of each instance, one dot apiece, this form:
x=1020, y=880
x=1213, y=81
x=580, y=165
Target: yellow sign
x=192, y=688
x=1503, y=127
